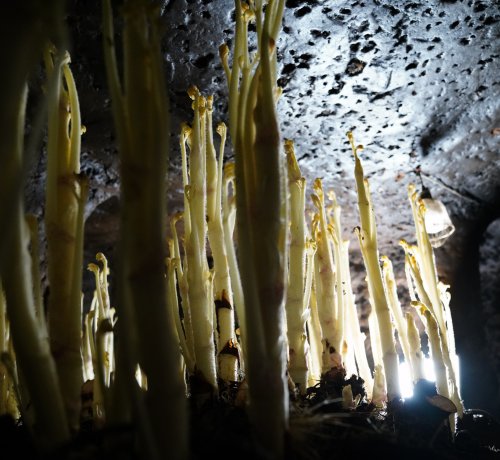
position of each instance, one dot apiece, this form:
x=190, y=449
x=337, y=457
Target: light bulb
x=437, y=222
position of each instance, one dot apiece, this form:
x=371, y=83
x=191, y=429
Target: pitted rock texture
x=416, y=81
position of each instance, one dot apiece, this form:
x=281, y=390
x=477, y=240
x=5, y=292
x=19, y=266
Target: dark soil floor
x=320, y=429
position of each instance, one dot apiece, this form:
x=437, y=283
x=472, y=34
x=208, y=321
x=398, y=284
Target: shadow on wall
x=489, y=268
x=473, y=267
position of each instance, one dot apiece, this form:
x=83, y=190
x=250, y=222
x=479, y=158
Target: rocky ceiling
x=417, y=82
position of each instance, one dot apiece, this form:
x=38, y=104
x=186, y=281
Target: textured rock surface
x=417, y=81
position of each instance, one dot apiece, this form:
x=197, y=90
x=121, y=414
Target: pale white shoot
x=367, y=236
x=227, y=351
x=326, y=297
x=296, y=305
x=416, y=358
x=229, y=221
x=395, y=306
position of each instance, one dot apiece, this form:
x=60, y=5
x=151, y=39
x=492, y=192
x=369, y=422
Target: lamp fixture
x=437, y=220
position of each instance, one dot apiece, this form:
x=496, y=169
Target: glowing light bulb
x=405, y=382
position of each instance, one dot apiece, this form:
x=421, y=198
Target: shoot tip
x=193, y=92
x=221, y=129
x=223, y=51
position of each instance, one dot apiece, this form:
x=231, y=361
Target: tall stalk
x=229, y=222
x=66, y=194
x=199, y=278
x=416, y=356
x=140, y=112
x=327, y=301
x=255, y=135
x=434, y=298
x=25, y=28
x=296, y=307
x=32, y=351
x=352, y=322
x=367, y=235
x=395, y=307
x=224, y=305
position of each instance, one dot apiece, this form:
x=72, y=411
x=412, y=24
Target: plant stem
x=416, y=357
x=296, y=290
x=141, y=120
x=367, y=236
x=325, y=293
x=395, y=306
x=65, y=199
x=198, y=276
x=227, y=350
x=430, y=285
x=255, y=134
x=32, y=352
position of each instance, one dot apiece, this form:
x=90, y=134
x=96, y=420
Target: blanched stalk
x=87, y=344
x=224, y=305
x=395, y=306
x=229, y=221
x=426, y=257
x=176, y=322
x=367, y=235
x=184, y=139
x=172, y=292
x=25, y=30
x=65, y=199
x=335, y=234
x=103, y=345
x=108, y=343
x=198, y=275
x=379, y=394
x=435, y=342
x=256, y=139
x=428, y=273
x=413, y=275
x=295, y=300
x=348, y=358
x=416, y=356
x=314, y=327
x=352, y=320
x=32, y=352
x=92, y=362
x=32, y=222
x=140, y=112
x=102, y=339
x=375, y=342
x=183, y=284
x=326, y=297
